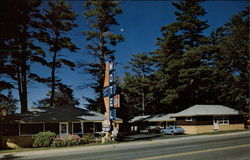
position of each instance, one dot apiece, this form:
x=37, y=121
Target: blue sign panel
x=111, y=77
x=106, y=92
x=111, y=66
x=111, y=102
x=109, y=91
x=112, y=114
x=112, y=90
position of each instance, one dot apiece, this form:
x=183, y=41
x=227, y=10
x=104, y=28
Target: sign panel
x=111, y=102
x=111, y=77
x=106, y=127
x=117, y=101
x=112, y=90
x=106, y=92
x=112, y=114
x=106, y=79
x=106, y=103
x=111, y=66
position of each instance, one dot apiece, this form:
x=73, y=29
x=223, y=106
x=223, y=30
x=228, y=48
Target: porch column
x=43, y=126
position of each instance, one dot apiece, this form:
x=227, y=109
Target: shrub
x=69, y=140
x=72, y=140
x=44, y=139
x=87, y=138
x=58, y=142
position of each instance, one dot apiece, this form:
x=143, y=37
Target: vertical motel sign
x=111, y=99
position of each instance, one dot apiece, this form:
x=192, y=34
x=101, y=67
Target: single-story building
x=160, y=120
x=209, y=118
x=62, y=120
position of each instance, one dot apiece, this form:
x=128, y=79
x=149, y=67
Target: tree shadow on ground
x=135, y=138
x=9, y=157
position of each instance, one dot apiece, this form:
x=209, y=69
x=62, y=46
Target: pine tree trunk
x=23, y=87
x=143, y=103
x=22, y=71
x=53, y=68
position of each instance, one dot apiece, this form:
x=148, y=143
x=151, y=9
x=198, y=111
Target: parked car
x=172, y=130
x=151, y=129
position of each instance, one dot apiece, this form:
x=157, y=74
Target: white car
x=172, y=130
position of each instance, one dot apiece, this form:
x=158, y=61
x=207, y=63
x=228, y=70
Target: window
x=31, y=129
x=88, y=127
x=223, y=120
x=188, y=118
x=77, y=128
x=63, y=128
x=98, y=127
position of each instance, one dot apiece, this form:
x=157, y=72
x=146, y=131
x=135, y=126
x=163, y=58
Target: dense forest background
x=187, y=68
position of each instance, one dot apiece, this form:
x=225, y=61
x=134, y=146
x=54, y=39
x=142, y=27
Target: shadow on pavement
x=148, y=137
x=8, y=157
x=139, y=137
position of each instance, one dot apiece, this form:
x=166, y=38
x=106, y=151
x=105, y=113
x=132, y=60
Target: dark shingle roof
x=59, y=114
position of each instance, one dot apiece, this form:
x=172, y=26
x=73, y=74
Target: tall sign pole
x=111, y=99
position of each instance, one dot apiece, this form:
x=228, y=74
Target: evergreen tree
x=179, y=64
x=63, y=96
x=231, y=67
x=101, y=17
x=8, y=105
x=16, y=44
x=52, y=27
x=138, y=85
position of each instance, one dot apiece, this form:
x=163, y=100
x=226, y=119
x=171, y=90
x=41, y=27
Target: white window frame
x=73, y=127
x=67, y=124
x=189, y=118
x=223, y=120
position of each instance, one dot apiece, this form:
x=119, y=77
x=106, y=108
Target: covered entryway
x=216, y=123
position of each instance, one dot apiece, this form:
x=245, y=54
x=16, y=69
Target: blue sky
x=140, y=24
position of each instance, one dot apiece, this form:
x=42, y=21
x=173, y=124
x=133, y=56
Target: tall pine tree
x=231, y=62
x=101, y=17
x=17, y=44
x=179, y=67
x=52, y=27
x=137, y=86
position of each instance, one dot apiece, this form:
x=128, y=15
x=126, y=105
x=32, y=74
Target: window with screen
x=77, y=128
x=223, y=120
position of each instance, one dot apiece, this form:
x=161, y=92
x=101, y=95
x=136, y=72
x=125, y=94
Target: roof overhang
x=195, y=115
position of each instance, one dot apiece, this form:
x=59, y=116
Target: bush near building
x=69, y=140
x=44, y=139
x=50, y=139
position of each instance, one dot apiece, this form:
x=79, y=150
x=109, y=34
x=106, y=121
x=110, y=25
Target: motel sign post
x=111, y=99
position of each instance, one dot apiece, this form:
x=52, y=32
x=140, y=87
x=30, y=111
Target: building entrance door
x=216, y=123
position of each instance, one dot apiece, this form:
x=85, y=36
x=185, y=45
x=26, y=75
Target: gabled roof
x=139, y=119
x=206, y=110
x=152, y=118
x=162, y=117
